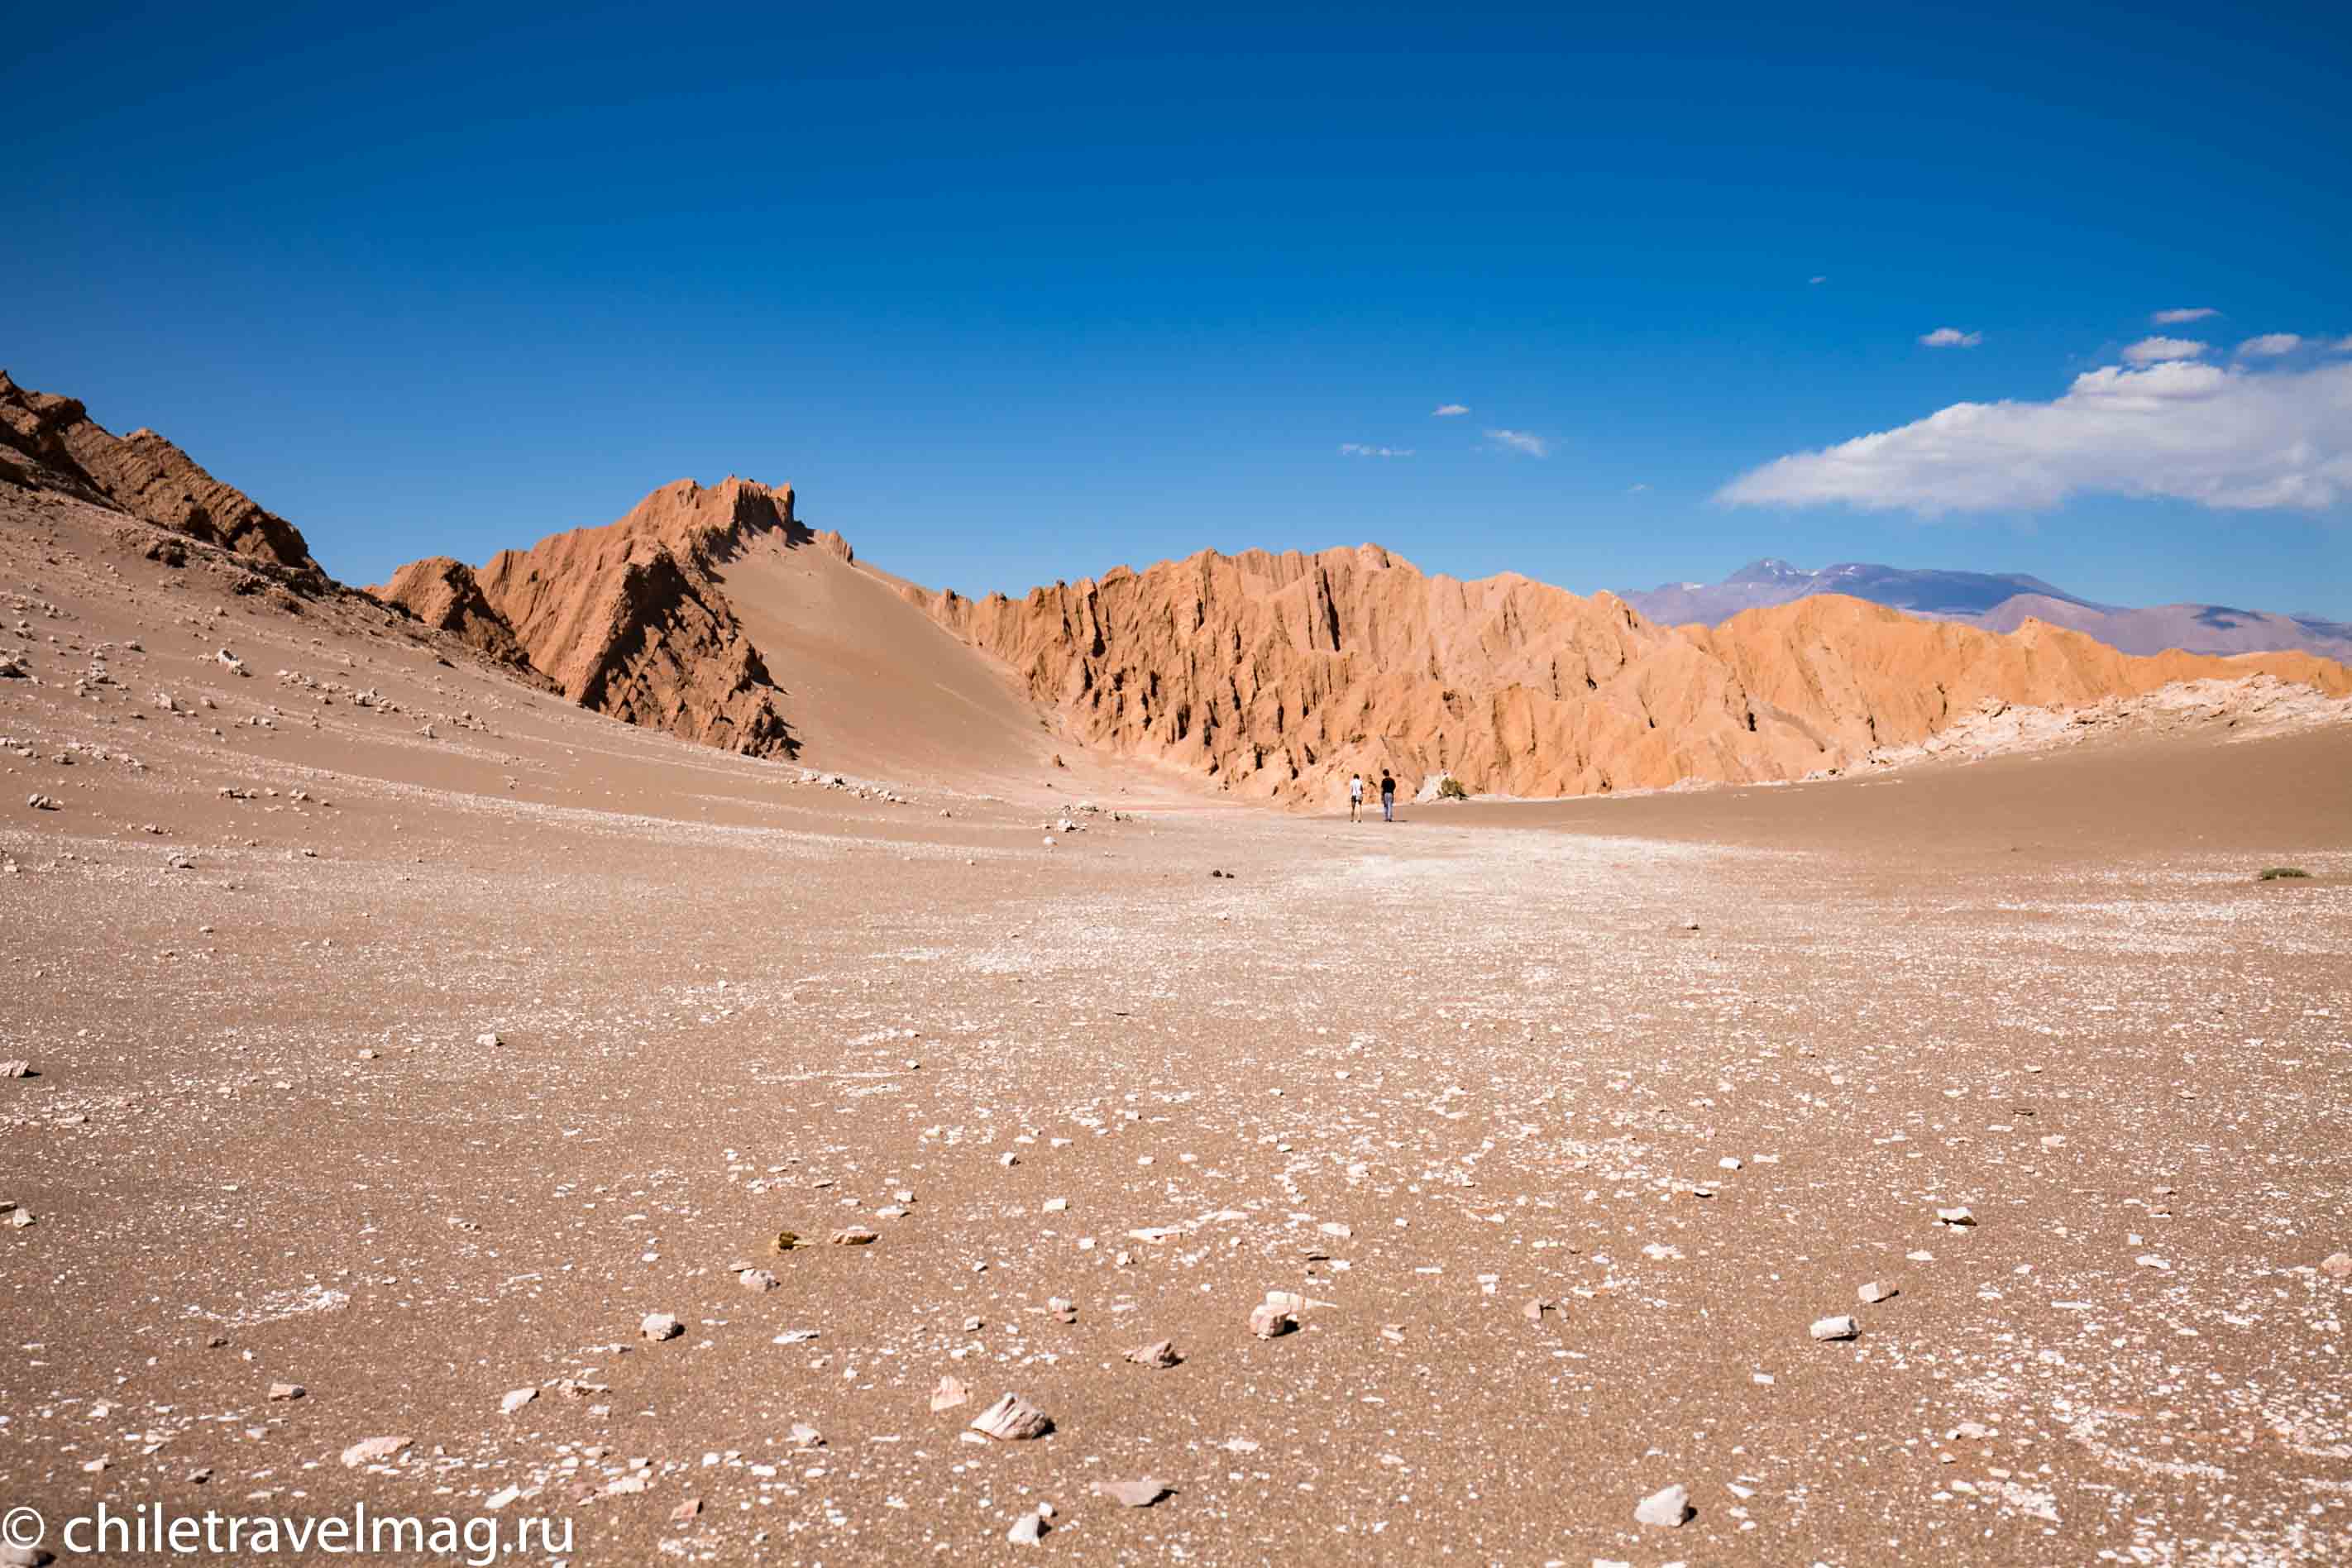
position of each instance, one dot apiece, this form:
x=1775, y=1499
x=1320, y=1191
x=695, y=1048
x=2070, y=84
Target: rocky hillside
x=630, y=620
x=51, y=443
x=1276, y=675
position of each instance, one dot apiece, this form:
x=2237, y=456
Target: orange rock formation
x=630, y=620
x=48, y=442
x=1278, y=675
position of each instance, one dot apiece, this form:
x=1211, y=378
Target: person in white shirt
x=1355, y=798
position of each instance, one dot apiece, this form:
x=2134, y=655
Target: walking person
x=1388, y=795
x=1355, y=798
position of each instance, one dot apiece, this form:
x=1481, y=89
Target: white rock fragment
x=2338, y=1265
x=515, y=1399
x=949, y=1395
x=1957, y=1218
x=1013, y=1419
x=1874, y=1292
x=1837, y=1328
x=660, y=1326
x=1030, y=1528
x=373, y=1450
x=1269, y=1321
x=1140, y=1493
x=1669, y=1507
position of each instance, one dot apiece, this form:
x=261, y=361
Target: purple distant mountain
x=1997, y=601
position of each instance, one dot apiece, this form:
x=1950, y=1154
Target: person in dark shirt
x=1388, y=795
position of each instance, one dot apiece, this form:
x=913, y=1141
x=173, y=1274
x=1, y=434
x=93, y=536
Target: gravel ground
x=426, y=1086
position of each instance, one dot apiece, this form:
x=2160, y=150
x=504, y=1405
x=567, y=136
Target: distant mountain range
x=2000, y=602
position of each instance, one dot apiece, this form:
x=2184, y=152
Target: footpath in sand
x=415, y=1073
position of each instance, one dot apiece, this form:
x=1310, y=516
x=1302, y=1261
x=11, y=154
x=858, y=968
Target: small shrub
x=2282, y=874
x=1450, y=788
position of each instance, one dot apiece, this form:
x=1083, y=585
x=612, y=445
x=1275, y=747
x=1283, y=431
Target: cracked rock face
x=1281, y=676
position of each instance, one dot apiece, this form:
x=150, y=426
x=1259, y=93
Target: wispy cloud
x=1520, y=441
x=2155, y=351
x=2228, y=438
x=1358, y=449
x=2341, y=346
x=1818, y=277
x=2188, y=313
x=1448, y=410
x=1950, y=338
x=2270, y=345
x=1635, y=489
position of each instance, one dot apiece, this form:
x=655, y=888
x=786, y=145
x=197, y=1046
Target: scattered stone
x=1535, y=1310
x=806, y=1437
x=1959, y=1218
x=1874, y=1292
x=515, y=1399
x=22, y=1219
x=758, y=1280
x=661, y=1326
x=1669, y=1507
x=1269, y=1321
x=1063, y=1312
x=1729, y=1163
x=785, y=1240
x=1158, y=1353
x=950, y=1393
x=1013, y=1419
x=852, y=1236
x=15, y=1069
x=489, y=1037
x=1140, y=1493
x=1030, y=1528
x=283, y=1392
x=372, y=1451
x=686, y=1511
x=42, y=803
x=1838, y=1328
x=2338, y=1264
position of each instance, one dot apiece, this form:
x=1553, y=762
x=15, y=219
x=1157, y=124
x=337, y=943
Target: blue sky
x=1013, y=299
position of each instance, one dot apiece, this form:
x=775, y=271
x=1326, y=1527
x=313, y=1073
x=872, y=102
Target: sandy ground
x=1426, y=1075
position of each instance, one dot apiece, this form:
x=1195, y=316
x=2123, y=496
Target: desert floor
x=1568, y=1120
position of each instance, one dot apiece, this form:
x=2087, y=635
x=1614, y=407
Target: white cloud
x=2340, y=346
x=2155, y=351
x=1520, y=441
x=2225, y=439
x=1357, y=449
x=2174, y=318
x=1950, y=338
x=1818, y=277
x=1635, y=489
x=1448, y=410
x=2270, y=345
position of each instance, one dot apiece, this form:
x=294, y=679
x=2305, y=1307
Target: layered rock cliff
x=1278, y=675
x=48, y=442
x=630, y=620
